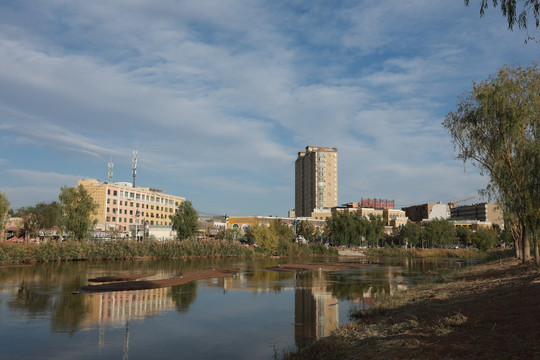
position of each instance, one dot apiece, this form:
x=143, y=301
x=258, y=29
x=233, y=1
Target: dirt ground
x=489, y=311
x=154, y=284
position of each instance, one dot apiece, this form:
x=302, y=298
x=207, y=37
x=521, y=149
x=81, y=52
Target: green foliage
x=40, y=217
x=484, y=239
x=4, y=208
x=185, y=221
x=348, y=229
x=438, y=232
x=496, y=128
x=77, y=207
x=307, y=230
x=410, y=233
x=265, y=238
x=463, y=233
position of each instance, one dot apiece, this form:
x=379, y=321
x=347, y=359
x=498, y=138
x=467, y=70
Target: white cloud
x=221, y=95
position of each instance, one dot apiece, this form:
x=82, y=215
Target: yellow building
x=120, y=205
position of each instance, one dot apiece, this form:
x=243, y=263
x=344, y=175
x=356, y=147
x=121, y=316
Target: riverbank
x=488, y=311
x=13, y=253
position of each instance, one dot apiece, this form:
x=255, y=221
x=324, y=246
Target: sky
x=218, y=97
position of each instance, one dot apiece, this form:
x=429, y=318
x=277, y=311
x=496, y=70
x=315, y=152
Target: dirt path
x=488, y=311
x=154, y=284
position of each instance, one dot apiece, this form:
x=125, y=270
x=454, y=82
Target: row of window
x=142, y=213
x=130, y=220
x=138, y=205
x=143, y=197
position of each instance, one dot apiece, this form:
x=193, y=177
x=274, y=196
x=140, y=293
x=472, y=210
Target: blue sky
x=218, y=97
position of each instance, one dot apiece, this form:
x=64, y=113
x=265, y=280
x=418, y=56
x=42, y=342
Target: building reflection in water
x=316, y=311
x=116, y=309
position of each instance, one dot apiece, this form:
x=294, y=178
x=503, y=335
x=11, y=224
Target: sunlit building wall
x=121, y=206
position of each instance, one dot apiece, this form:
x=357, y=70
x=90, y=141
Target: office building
x=122, y=207
x=315, y=180
x=485, y=212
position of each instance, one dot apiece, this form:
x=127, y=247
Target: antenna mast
x=110, y=172
x=134, y=163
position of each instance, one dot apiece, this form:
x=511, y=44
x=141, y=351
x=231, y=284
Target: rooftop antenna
x=135, y=152
x=110, y=172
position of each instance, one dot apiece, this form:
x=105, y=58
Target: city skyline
x=219, y=97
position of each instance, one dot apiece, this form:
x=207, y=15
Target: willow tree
x=77, y=210
x=521, y=12
x=496, y=127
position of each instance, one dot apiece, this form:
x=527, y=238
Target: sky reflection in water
x=256, y=313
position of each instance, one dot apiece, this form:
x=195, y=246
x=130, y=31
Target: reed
x=72, y=251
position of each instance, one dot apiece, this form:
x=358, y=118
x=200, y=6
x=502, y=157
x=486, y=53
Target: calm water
x=255, y=314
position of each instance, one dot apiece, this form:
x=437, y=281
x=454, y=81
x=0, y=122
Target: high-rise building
x=315, y=180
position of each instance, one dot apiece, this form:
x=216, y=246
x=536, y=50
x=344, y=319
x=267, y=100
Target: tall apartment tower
x=315, y=180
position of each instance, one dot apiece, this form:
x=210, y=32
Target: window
x=114, y=218
x=137, y=205
x=131, y=221
x=130, y=212
x=108, y=191
x=114, y=202
x=107, y=209
x=115, y=193
x=131, y=204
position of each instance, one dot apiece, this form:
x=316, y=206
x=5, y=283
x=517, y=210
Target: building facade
x=122, y=207
x=428, y=212
x=485, y=212
x=316, y=184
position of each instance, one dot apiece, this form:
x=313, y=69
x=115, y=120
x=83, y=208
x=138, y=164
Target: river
x=256, y=314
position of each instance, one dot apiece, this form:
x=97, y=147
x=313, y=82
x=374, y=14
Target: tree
x=484, y=239
x=463, y=233
x=40, y=217
x=265, y=238
x=77, y=208
x=496, y=128
x=374, y=229
x=185, y=221
x=438, y=232
x=307, y=230
x=510, y=9
x=4, y=209
x=410, y=233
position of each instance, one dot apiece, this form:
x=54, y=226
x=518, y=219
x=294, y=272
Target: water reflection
x=317, y=300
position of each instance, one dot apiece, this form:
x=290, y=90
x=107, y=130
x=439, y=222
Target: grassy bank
x=71, y=251
x=487, y=311
x=440, y=253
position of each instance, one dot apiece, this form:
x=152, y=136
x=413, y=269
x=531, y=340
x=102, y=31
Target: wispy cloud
x=218, y=97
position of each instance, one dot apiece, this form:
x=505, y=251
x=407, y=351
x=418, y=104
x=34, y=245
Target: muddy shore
x=489, y=311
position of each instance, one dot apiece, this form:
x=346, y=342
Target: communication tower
x=134, y=163
x=110, y=172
